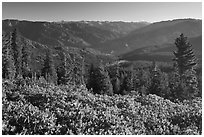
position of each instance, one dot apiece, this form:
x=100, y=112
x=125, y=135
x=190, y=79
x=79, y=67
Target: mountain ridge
x=77, y=34
x=114, y=38
x=154, y=34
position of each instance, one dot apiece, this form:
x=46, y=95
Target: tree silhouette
x=91, y=79
x=25, y=61
x=186, y=63
x=155, y=79
x=48, y=70
x=184, y=56
x=8, y=68
x=99, y=80
x=127, y=84
x=115, y=77
x=63, y=70
x=16, y=52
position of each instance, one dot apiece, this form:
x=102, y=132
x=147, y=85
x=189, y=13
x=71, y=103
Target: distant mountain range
x=156, y=34
x=129, y=40
x=74, y=34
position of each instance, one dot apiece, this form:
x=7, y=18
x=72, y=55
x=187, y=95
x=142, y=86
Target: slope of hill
x=158, y=34
x=37, y=53
x=75, y=34
x=163, y=52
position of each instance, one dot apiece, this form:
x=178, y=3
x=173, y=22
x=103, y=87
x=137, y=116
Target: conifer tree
x=114, y=74
x=63, y=70
x=186, y=63
x=184, y=56
x=16, y=53
x=48, y=70
x=164, y=85
x=103, y=80
x=155, y=80
x=78, y=70
x=116, y=80
x=8, y=68
x=91, y=78
x=174, y=81
x=159, y=81
x=100, y=81
x=144, y=81
x=25, y=61
x=83, y=71
x=127, y=84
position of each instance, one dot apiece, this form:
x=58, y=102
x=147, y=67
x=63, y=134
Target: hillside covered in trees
x=68, y=93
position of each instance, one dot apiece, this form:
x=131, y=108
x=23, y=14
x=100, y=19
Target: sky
x=101, y=11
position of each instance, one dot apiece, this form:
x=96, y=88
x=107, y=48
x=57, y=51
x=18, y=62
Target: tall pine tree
x=48, y=70
x=155, y=79
x=184, y=56
x=99, y=80
x=159, y=81
x=8, y=68
x=63, y=70
x=25, y=58
x=127, y=84
x=91, y=77
x=114, y=74
x=16, y=53
x=186, y=63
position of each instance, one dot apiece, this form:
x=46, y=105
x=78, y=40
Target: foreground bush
x=74, y=110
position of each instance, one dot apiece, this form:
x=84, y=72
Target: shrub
x=74, y=110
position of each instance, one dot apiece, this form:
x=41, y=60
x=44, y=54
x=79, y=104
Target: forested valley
x=101, y=97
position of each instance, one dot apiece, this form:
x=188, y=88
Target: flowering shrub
x=74, y=110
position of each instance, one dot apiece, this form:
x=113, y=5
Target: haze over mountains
x=130, y=40
x=154, y=34
x=76, y=34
